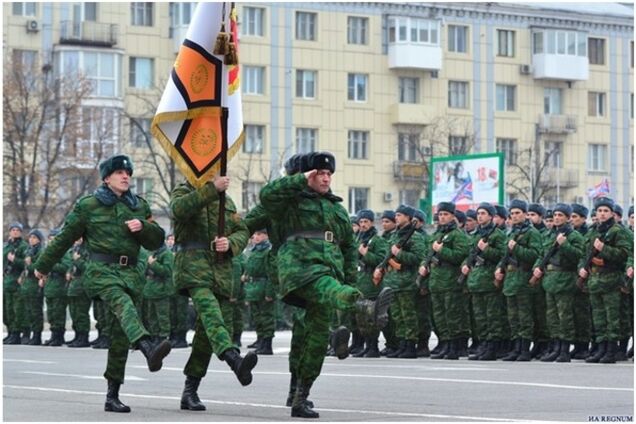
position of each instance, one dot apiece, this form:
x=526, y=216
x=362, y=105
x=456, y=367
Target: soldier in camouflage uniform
x=488, y=246
x=55, y=295
x=78, y=301
x=391, y=340
x=582, y=307
x=318, y=254
x=13, y=264
x=114, y=223
x=31, y=288
x=203, y=270
x=157, y=292
x=471, y=222
x=611, y=247
x=423, y=307
x=626, y=310
x=448, y=249
x=559, y=280
x=523, y=249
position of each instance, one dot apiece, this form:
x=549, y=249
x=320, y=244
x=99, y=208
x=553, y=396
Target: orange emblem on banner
x=202, y=141
x=197, y=74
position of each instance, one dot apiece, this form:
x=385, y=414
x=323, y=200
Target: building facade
x=384, y=86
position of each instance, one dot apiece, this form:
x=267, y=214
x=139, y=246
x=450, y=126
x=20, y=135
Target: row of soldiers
x=506, y=278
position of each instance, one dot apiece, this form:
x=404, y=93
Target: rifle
x=390, y=257
x=507, y=258
x=9, y=267
x=361, y=265
x=580, y=281
x=430, y=259
x=546, y=260
x=474, y=258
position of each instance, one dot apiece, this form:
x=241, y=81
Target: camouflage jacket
x=257, y=219
x=195, y=214
x=443, y=276
x=55, y=285
x=159, y=283
x=258, y=285
x=238, y=266
x=13, y=269
x=482, y=277
x=409, y=258
x=523, y=256
x=378, y=249
x=560, y=275
x=608, y=267
x=76, y=269
x=292, y=205
x=100, y=218
x=30, y=287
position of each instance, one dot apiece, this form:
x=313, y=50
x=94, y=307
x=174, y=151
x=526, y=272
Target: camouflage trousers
x=157, y=316
x=34, y=306
x=212, y=330
x=12, y=308
x=539, y=310
x=423, y=312
x=582, y=317
x=466, y=322
x=104, y=318
x=322, y=296
x=489, y=322
x=404, y=313
x=79, y=307
x=264, y=315
x=606, y=315
x=391, y=340
x=626, y=315
x=298, y=335
x=237, y=318
x=560, y=315
x=56, y=312
x=521, y=316
x=178, y=314
x=448, y=314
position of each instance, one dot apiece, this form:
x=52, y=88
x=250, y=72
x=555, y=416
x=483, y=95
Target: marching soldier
x=608, y=246
x=582, y=307
x=14, y=252
x=32, y=287
x=55, y=295
x=566, y=248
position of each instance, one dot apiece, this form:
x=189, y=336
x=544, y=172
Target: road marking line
x=28, y=361
x=86, y=377
x=443, y=380
x=262, y=405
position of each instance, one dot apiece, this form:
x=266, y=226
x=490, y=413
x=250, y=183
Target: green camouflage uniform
x=627, y=296
x=487, y=299
x=157, y=292
x=259, y=287
x=392, y=342
x=78, y=301
x=423, y=307
x=311, y=270
x=198, y=273
x=238, y=298
x=539, y=306
x=100, y=219
x=178, y=314
x=13, y=306
x=32, y=293
x=519, y=294
x=55, y=293
x=606, y=277
x=582, y=306
x=559, y=281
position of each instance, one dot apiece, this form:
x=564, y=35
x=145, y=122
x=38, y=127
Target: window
x=250, y=194
x=505, y=43
x=358, y=199
x=101, y=69
x=139, y=131
x=597, y=51
x=305, y=84
x=414, y=30
x=457, y=145
x=559, y=42
x=357, y=87
x=409, y=90
x=506, y=97
x=99, y=133
x=253, y=77
x=597, y=157
x=254, y=139
x=552, y=101
x=554, y=154
x=25, y=62
x=305, y=140
x=458, y=94
x=357, y=30
x=358, y=142
x=595, y=104
x=508, y=147
x=142, y=187
x=457, y=38
x=141, y=72
x=408, y=146
x=180, y=15
x=141, y=14
x=306, y=26
x=24, y=9
x=253, y=21
x=410, y=197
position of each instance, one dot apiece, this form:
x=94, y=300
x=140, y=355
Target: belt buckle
x=510, y=268
x=550, y=267
x=123, y=260
x=329, y=236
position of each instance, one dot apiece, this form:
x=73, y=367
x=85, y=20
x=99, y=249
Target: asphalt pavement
x=64, y=384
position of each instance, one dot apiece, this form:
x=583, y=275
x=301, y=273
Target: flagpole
x=220, y=256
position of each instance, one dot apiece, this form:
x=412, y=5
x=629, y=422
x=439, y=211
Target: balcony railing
x=409, y=171
x=557, y=124
x=564, y=178
x=88, y=33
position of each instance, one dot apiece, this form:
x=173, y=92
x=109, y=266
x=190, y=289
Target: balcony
x=407, y=55
x=411, y=114
x=564, y=178
x=560, y=67
x=409, y=171
x=557, y=124
x=88, y=33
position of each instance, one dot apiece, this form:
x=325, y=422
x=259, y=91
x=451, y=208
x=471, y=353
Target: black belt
x=122, y=260
x=313, y=235
x=192, y=245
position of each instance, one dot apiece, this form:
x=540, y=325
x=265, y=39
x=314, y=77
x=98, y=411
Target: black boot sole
x=341, y=342
x=110, y=408
x=192, y=408
x=244, y=372
x=161, y=351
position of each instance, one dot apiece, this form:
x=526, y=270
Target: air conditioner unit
x=388, y=196
x=32, y=26
x=525, y=69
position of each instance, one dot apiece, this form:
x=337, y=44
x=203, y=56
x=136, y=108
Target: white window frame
x=506, y=43
x=99, y=131
x=559, y=42
x=357, y=87
x=458, y=94
x=28, y=8
x=508, y=146
x=253, y=21
x=306, y=140
x=506, y=97
x=358, y=199
x=253, y=80
x=254, y=139
x=73, y=62
x=135, y=79
x=408, y=147
x=142, y=14
x=306, y=26
x=403, y=29
x=603, y=43
x=409, y=90
x=357, y=30
x=596, y=104
x=306, y=83
x=597, y=157
x=458, y=38
x=137, y=135
x=358, y=144
x=552, y=101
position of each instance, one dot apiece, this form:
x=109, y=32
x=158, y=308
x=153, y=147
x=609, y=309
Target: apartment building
x=384, y=86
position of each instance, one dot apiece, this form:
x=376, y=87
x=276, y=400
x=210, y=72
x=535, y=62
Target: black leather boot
x=453, y=350
x=409, y=350
x=340, y=342
x=490, y=354
x=265, y=347
x=438, y=347
x=364, y=348
x=81, y=340
x=621, y=353
x=357, y=343
x=241, y=365
x=293, y=385
x=104, y=343
x=113, y=404
x=57, y=339
x=504, y=347
x=376, y=312
x=236, y=339
x=600, y=352
x=441, y=353
x=564, y=353
x=256, y=344
x=630, y=352
x=398, y=351
x=554, y=352
x=179, y=341
x=610, y=353
x=462, y=347
x=474, y=344
x=524, y=351
x=479, y=350
x=514, y=353
x=36, y=340
x=372, y=345
x=154, y=353
x=26, y=337
x=13, y=339
x=300, y=406
x=189, y=398
x=94, y=342
x=422, y=349
x=581, y=351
